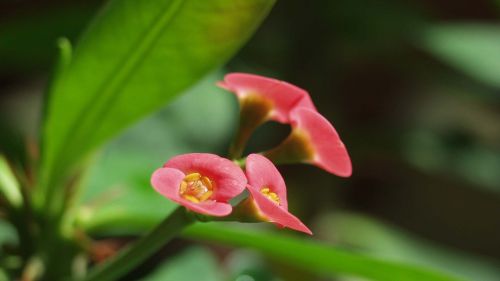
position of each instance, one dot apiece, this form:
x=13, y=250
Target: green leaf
x=9, y=187
x=313, y=256
x=136, y=56
x=471, y=48
x=193, y=264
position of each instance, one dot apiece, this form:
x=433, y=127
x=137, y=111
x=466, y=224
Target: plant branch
x=142, y=249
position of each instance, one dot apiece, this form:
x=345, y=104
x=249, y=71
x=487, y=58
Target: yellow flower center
x=271, y=195
x=196, y=188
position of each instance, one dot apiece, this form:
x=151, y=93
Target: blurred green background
x=413, y=88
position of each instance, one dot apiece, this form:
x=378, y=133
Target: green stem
x=239, y=142
x=254, y=111
x=142, y=249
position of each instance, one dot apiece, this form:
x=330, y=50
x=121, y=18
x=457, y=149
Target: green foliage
x=313, y=256
x=471, y=48
x=136, y=56
x=9, y=187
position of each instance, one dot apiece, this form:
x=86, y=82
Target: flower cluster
x=205, y=183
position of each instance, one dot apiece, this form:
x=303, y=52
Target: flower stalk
x=254, y=111
x=134, y=255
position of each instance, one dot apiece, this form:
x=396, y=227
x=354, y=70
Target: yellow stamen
x=206, y=195
x=184, y=186
x=192, y=177
x=271, y=195
x=196, y=188
x=274, y=197
x=191, y=198
x=206, y=181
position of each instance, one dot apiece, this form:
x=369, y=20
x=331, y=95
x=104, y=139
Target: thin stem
x=238, y=145
x=142, y=249
x=254, y=111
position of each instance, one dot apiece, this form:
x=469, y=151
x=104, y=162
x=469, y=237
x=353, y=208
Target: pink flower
x=268, y=192
x=313, y=140
x=201, y=182
x=275, y=99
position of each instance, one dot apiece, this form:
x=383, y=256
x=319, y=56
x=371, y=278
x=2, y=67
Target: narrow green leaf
x=136, y=56
x=313, y=256
x=9, y=187
x=471, y=48
x=65, y=53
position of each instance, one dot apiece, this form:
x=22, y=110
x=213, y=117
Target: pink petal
x=330, y=153
x=277, y=214
x=209, y=207
x=166, y=181
x=262, y=173
x=228, y=177
x=283, y=95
